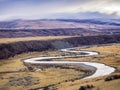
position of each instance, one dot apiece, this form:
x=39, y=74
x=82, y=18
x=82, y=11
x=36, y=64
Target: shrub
x=86, y=87
x=113, y=77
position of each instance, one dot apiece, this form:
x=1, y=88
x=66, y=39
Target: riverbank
x=13, y=68
x=99, y=68
x=109, y=55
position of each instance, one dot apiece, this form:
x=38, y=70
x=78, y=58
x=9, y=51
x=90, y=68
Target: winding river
x=99, y=68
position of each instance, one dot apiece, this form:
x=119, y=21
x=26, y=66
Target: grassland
x=43, y=38
x=109, y=55
x=13, y=69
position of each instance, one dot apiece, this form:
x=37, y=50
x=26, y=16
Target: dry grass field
x=11, y=40
x=109, y=55
x=13, y=70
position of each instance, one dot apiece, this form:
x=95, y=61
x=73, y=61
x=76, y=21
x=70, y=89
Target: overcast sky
x=37, y=9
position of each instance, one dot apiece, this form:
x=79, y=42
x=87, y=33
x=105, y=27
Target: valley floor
x=16, y=75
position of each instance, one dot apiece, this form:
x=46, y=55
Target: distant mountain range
x=58, y=23
x=59, y=27
x=84, y=15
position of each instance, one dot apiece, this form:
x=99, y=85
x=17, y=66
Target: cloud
x=31, y=9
